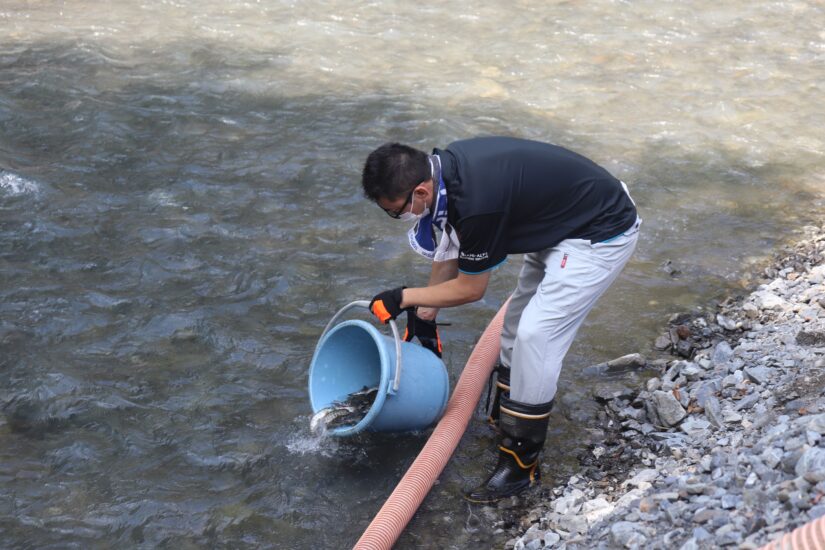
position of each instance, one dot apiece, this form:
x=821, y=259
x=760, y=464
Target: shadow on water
x=188, y=235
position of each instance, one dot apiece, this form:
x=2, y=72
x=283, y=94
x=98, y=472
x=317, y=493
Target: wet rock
x=610, y=393
x=683, y=332
x=662, y=342
x=668, y=267
x=684, y=348
x=627, y=362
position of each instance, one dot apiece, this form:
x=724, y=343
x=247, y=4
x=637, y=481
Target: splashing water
x=13, y=185
x=348, y=412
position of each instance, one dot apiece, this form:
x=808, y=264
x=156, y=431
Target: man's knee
x=541, y=327
x=530, y=333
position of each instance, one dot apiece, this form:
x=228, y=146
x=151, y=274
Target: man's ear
x=426, y=187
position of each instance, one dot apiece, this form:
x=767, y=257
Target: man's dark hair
x=393, y=170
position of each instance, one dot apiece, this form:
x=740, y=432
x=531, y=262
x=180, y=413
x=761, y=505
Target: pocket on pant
x=634, y=229
x=580, y=259
x=571, y=275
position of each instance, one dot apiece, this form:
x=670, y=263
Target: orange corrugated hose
x=393, y=517
x=810, y=536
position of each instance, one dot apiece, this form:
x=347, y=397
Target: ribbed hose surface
x=810, y=536
x=393, y=517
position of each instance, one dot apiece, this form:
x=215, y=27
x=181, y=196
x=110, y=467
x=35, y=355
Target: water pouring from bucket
x=412, y=386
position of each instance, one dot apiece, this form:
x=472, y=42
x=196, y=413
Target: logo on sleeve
x=564, y=261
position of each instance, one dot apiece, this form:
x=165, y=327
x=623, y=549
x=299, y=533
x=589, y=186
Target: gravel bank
x=725, y=446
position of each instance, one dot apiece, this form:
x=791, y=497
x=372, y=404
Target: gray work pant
x=556, y=290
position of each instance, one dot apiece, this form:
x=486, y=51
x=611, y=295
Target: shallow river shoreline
x=723, y=446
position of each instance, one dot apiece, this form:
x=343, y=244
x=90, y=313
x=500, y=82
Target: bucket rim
x=383, y=386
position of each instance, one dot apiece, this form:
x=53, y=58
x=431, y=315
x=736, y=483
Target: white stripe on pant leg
x=554, y=314
x=531, y=274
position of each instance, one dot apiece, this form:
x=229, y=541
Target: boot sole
x=468, y=498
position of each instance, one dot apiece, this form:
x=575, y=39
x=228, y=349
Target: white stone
x=629, y=497
x=570, y=503
x=642, y=478
x=730, y=416
x=766, y=300
x=551, y=538
x=596, y=509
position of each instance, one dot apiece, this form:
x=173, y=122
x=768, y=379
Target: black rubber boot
x=523, y=431
x=502, y=385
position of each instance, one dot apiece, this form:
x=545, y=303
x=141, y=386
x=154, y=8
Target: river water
x=180, y=215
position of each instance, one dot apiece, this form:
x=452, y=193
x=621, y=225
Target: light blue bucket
x=412, y=391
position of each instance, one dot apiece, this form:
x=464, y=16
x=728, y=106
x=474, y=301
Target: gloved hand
x=425, y=331
x=387, y=305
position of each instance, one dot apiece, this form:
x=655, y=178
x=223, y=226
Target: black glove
x=425, y=331
x=387, y=305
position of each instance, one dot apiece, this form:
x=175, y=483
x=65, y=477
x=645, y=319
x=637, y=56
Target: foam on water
x=303, y=442
x=12, y=184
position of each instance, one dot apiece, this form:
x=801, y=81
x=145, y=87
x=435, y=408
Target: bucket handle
x=365, y=304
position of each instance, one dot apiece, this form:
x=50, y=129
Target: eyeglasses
x=396, y=214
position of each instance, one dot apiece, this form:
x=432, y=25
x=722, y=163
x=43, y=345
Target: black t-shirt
x=510, y=196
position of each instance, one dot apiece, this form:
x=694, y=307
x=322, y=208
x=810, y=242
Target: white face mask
x=408, y=216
